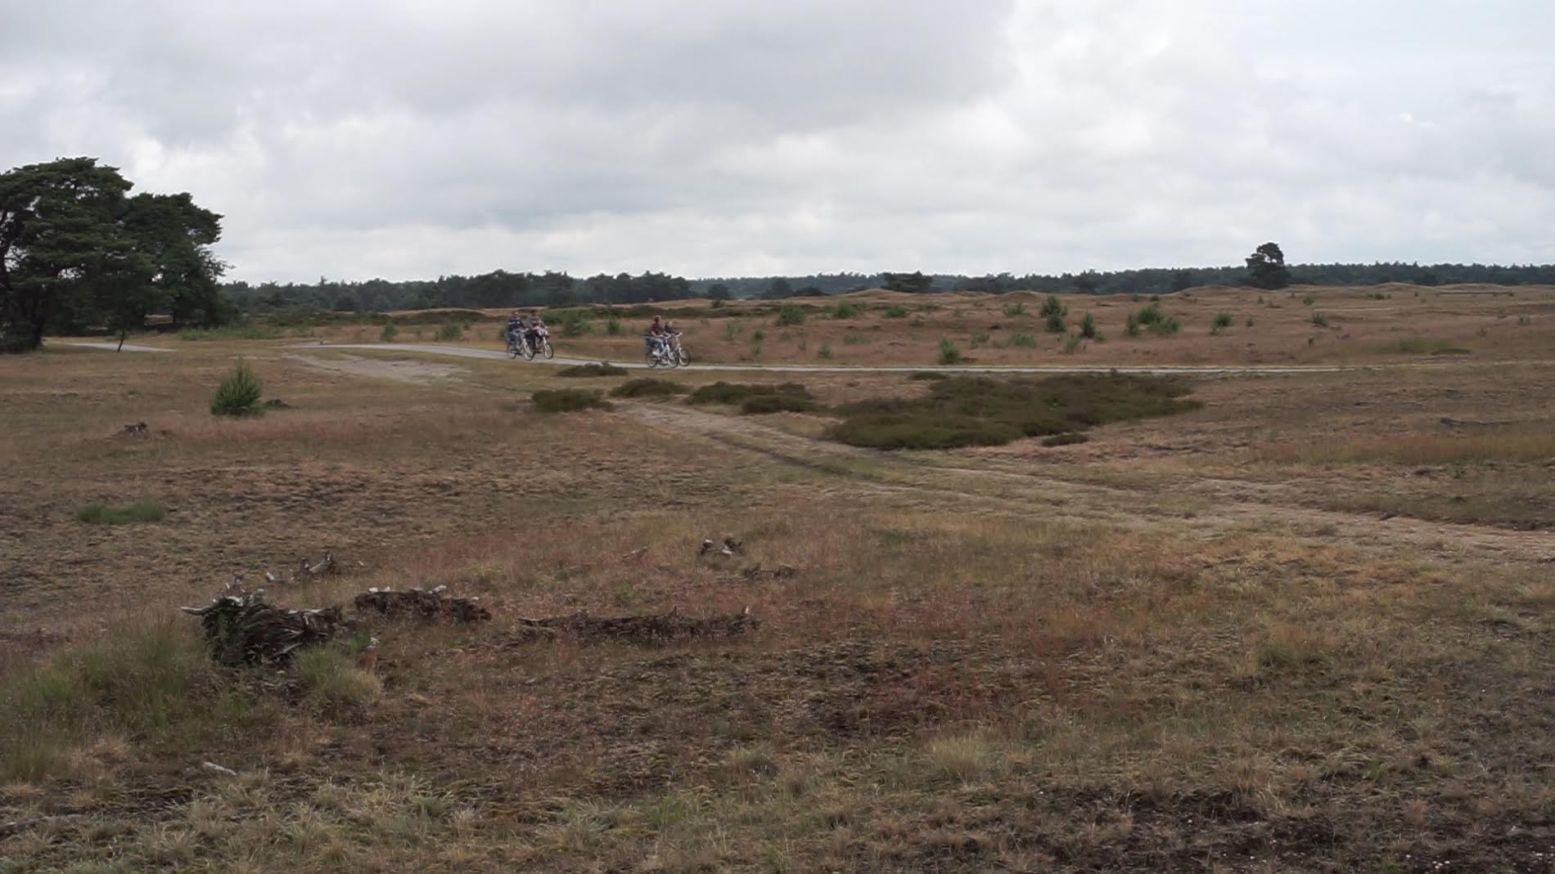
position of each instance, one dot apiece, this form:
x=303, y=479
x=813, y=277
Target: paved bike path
x=498, y=355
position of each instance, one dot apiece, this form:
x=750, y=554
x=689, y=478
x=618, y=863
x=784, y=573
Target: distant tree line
x=500, y=289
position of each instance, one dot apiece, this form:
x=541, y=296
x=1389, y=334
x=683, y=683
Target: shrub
x=1131, y=327
x=981, y=411
x=571, y=322
x=790, y=314
x=451, y=331
x=824, y=351
x=758, y=335
x=140, y=511
x=390, y=332
x=1024, y=341
x=755, y=399
x=1153, y=319
x=642, y=388
x=1319, y=320
x=238, y=394
x=896, y=312
x=604, y=368
x=613, y=324
x=1072, y=344
x=568, y=400
x=1249, y=322
x=1015, y=309
x=1222, y=321
x=1088, y=328
x=1426, y=346
x=1056, y=325
x=1053, y=307
x=948, y=353
x=981, y=338
x=847, y=311
x=776, y=403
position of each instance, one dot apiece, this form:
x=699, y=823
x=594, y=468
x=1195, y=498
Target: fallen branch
x=649, y=629
x=243, y=629
x=419, y=604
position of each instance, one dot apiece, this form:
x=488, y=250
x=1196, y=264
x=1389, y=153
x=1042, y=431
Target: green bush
x=568, y=400
x=896, y=312
x=981, y=338
x=1153, y=319
x=571, y=322
x=1222, y=321
x=1025, y=341
x=824, y=351
x=613, y=324
x=592, y=370
x=1319, y=320
x=140, y=511
x=755, y=398
x=389, y=332
x=948, y=353
x=450, y=331
x=1053, y=307
x=1072, y=344
x=1131, y=327
x=642, y=388
x=847, y=311
x=1015, y=309
x=238, y=394
x=790, y=314
x=1088, y=328
x=981, y=411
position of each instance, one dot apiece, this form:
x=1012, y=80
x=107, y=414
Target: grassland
x=1302, y=626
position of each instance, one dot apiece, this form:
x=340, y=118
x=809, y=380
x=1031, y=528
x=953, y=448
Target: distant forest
x=503, y=289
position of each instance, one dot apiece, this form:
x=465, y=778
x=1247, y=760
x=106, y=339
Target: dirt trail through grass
x=1225, y=504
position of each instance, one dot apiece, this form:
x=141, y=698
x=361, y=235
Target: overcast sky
x=411, y=138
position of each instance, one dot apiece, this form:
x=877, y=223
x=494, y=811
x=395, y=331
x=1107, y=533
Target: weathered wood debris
x=420, y=604
x=649, y=628
x=243, y=629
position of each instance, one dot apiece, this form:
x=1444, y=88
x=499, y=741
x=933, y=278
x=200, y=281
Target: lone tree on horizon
x=1266, y=267
x=77, y=251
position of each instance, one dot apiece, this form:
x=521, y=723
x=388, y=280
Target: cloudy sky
x=411, y=138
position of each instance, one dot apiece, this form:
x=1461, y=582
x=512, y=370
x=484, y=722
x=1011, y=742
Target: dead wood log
x=421, y=604
x=243, y=629
x=647, y=629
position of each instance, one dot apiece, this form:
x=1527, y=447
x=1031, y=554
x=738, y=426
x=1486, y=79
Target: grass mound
x=568, y=400
x=140, y=511
x=980, y=411
x=647, y=388
x=592, y=370
x=756, y=399
x=1426, y=346
x=153, y=686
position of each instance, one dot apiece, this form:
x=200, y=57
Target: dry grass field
x=1306, y=626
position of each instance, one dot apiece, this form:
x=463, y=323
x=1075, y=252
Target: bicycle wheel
x=545, y=348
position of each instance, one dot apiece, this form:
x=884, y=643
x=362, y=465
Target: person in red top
x=656, y=335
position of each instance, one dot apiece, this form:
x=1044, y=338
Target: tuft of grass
x=140, y=511
x=1222, y=321
x=1319, y=320
x=589, y=371
x=238, y=394
x=981, y=411
x=155, y=686
x=896, y=312
x=846, y=310
x=756, y=399
x=1153, y=319
x=389, y=332
x=613, y=324
x=1015, y=309
x=1088, y=328
x=568, y=400
x=330, y=679
x=1426, y=346
x=1025, y=341
x=790, y=314
x=451, y=331
x=824, y=351
x=647, y=387
x=948, y=353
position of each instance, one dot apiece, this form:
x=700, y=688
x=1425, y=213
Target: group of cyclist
x=528, y=329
